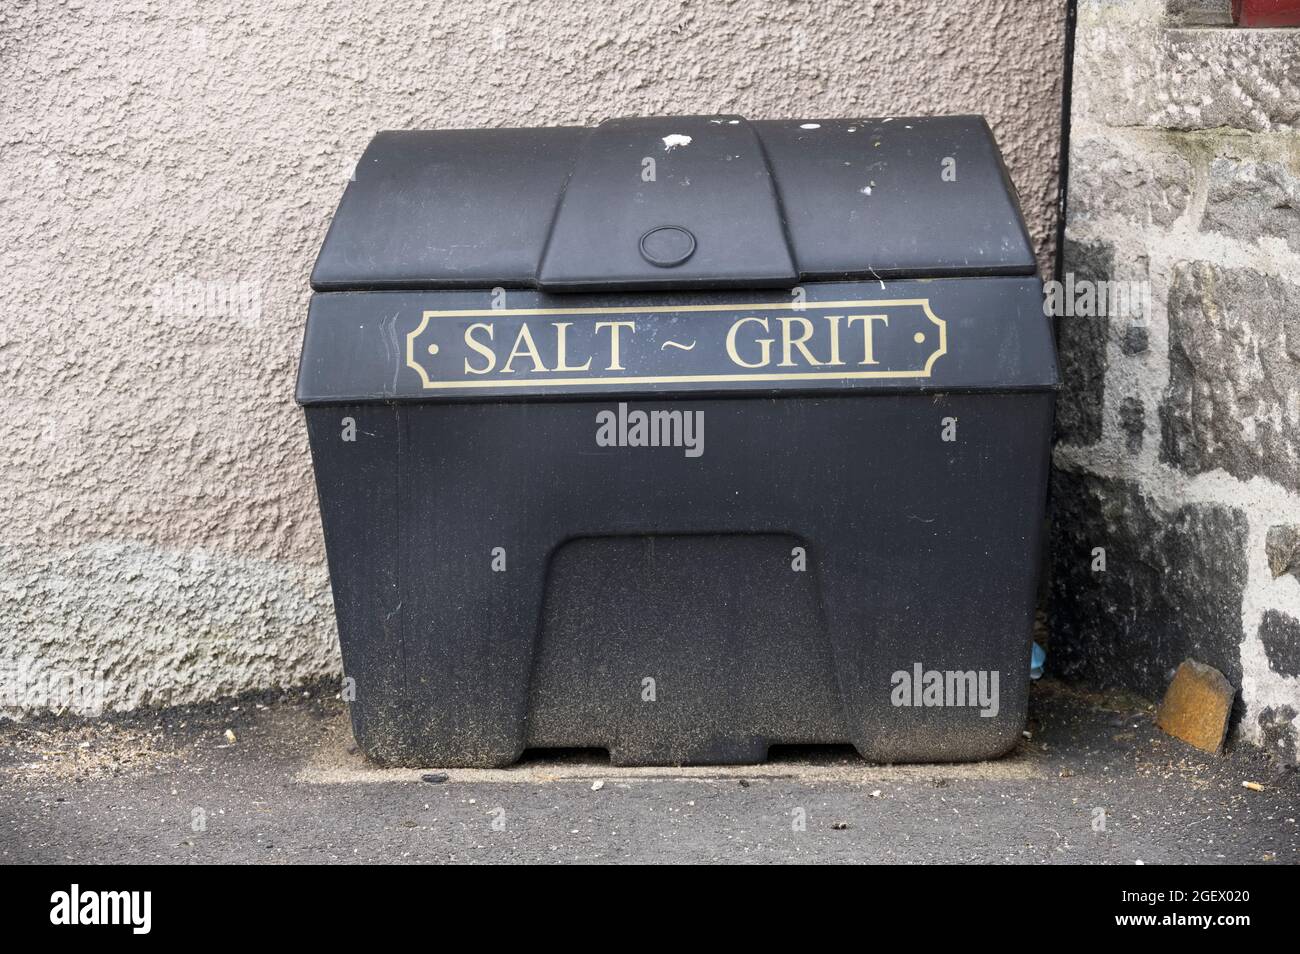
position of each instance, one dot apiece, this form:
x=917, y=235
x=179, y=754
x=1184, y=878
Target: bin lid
x=677, y=203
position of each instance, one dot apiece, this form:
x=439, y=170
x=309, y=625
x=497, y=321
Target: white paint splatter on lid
x=673, y=140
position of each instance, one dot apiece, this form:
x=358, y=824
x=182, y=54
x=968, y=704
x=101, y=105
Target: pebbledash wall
x=1179, y=429
x=170, y=170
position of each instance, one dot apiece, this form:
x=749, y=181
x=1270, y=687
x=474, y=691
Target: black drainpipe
x=1067, y=82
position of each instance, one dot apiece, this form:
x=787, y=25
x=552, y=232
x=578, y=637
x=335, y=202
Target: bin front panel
x=618, y=564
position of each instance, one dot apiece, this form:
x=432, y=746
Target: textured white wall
x=170, y=169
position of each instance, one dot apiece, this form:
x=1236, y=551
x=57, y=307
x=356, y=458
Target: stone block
x=1199, y=12
x=1133, y=420
x=1146, y=188
x=1282, y=545
x=1280, y=634
x=1134, y=69
x=1277, y=729
x=1197, y=706
x=1171, y=588
x=1248, y=200
x=1135, y=339
x=1081, y=344
x=1233, y=400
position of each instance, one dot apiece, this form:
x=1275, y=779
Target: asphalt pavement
x=276, y=778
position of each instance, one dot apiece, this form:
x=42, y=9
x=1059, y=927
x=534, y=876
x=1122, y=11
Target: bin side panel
x=355, y=455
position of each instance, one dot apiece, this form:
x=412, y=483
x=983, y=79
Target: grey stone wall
x=1178, y=456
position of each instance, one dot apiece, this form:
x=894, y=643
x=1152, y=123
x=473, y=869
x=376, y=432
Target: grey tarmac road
x=170, y=787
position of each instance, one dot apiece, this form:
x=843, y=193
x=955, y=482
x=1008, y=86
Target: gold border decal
x=495, y=348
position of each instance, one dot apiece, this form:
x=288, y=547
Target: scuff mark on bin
x=392, y=350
